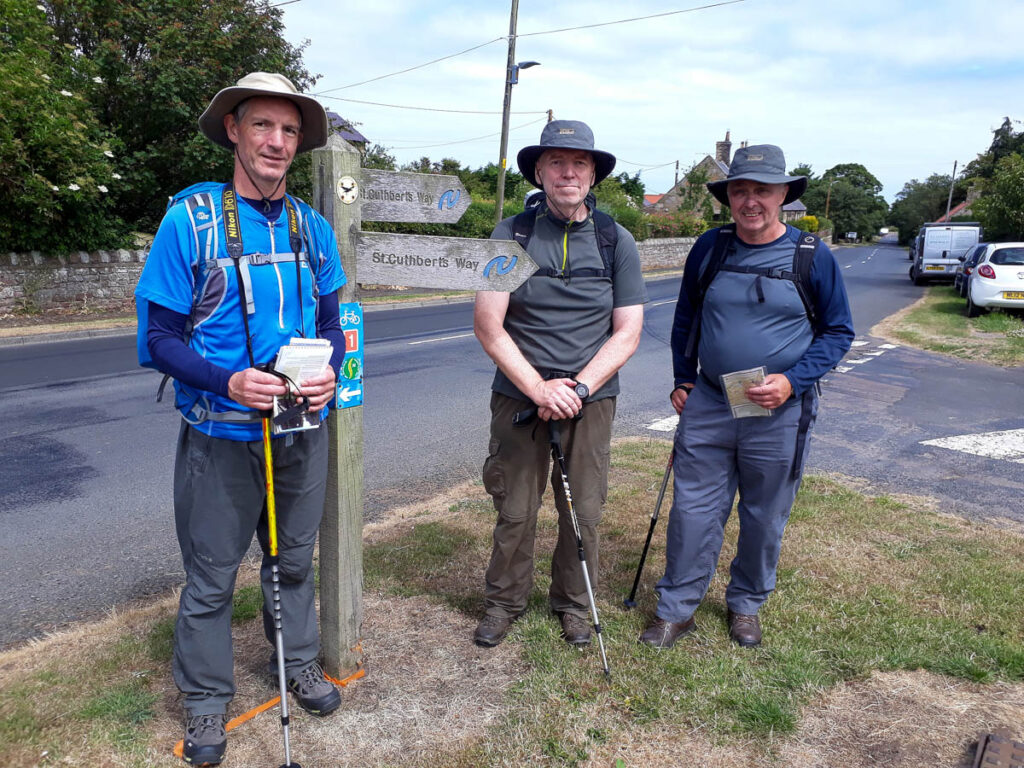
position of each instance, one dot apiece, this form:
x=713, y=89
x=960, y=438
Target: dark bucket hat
x=764, y=163
x=565, y=134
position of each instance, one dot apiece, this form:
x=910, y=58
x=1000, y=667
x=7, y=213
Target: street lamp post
x=511, y=78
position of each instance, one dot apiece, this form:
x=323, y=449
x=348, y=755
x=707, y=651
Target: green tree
x=1000, y=209
x=160, y=62
x=56, y=174
x=852, y=197
x=380, y=158
x=918, y=202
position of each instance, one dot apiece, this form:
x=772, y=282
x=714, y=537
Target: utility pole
x=677, y=175
x=502, y=160
x=949, y=200
x=828, y=196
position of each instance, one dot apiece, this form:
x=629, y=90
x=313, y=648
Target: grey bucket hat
x=314, y=117
x=565, y=134
x=764, y=163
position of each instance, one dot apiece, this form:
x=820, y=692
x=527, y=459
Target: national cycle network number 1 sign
x=350, y=378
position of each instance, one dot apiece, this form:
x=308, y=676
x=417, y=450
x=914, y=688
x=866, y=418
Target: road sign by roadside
x=412, y=197
x=425, y=261
x=350, y=377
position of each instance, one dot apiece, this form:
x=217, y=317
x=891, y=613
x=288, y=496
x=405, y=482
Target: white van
x=939, y=248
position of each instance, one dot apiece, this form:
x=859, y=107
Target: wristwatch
x=687, y=388
x=582, y=390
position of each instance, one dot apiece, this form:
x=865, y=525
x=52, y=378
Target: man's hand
x=319, y=390
x=556, y=399
x=255, y=389
x=774, y=392
x=679, y=397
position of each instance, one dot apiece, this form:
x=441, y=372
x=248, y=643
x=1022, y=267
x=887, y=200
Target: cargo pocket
x=494, y=472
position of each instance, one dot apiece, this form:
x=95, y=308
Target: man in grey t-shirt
x=558, y=341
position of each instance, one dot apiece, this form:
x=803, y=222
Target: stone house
x=715, y=169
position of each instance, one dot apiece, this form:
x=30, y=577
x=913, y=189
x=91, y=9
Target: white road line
x=848, y=266
x=888, y=346
x=876, y=353
x=440, y=338
x=860, y=343
x=1008, y=445
x=659, y=303
x=667, y=424
x=859, y=361
x=843, y=368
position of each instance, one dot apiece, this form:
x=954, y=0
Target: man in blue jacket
x=237, y=271
x=745, y=302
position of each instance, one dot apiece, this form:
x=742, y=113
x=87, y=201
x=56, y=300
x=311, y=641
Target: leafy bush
x=806, y=224
x=679, y=223
x=56, y=174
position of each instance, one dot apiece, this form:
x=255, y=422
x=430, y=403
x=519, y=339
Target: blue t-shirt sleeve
x=167, y=278
x=684, y=369
x=165, y=338
x=330, y=275
x=328, y=326
x=834, y=332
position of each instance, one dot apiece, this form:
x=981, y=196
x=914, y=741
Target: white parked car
x=997, y=280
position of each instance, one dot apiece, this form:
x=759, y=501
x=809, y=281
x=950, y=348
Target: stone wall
x=105, y=280
x=664, y=253
x=99, y=280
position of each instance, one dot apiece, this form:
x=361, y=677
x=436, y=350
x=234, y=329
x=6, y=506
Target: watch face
x=582, y=391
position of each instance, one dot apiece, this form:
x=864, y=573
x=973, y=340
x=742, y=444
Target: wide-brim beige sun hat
x=314, y=117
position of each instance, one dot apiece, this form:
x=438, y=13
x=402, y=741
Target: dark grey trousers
x=516, y=470
x=219, y=503
x=716, y=455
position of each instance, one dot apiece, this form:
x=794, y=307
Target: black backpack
x=800, y=276
x=605, y=230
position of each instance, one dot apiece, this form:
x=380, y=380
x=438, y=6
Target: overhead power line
x=409, y=69
x=431, y=109
x=527, y=34
x=635, y=18
x=464, y=141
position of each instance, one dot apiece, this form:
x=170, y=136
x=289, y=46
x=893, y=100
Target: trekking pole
x=268, y=461
x=554, y=431
x=630, y=602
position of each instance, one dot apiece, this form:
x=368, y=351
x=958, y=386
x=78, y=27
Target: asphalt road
x=85, y=474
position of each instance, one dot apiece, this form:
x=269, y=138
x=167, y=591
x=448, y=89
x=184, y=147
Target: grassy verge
x=938, y=324
x=866, y=585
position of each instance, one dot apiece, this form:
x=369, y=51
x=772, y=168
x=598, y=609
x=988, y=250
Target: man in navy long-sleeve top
x=745, y=302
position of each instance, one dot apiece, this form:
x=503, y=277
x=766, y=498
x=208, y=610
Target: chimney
x=743, y=145
x=723, y=150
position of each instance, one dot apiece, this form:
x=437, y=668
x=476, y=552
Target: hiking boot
x=745, y=629
x=205, y=740
x=315, y=693
x=491, y=630
x=663, y=634
x=575, y=630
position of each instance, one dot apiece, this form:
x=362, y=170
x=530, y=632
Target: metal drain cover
x=998, y=750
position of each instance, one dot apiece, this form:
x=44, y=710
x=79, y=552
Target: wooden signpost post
x=346, y=195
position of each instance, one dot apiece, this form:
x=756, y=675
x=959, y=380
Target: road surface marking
x=888, y=346
x=668, y=424
x=876, y=353
x=860, y=360
x=659, y=303
x=843, y=368
x=1007, y=445
x=440, y=338
x=860, y=343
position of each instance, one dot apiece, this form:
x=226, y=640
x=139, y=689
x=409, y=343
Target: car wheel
x=915, y=277
x=973, y=310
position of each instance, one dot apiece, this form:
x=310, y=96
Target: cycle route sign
x=350, y=377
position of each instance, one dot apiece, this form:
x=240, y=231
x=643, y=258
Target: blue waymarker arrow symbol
x=501, y=265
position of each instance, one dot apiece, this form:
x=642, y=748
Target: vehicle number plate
x=934, y=269
x=1013, y=294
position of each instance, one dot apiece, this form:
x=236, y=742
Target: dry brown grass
x=431, y=698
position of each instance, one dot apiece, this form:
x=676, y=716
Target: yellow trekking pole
x=268, y=460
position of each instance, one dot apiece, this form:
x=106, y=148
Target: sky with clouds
x=904, y=87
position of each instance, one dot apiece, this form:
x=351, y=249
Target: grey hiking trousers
x=716, y=455
x=219, y=502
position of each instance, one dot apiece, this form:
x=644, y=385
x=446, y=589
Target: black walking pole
x=630, y=602
x=554, y=431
